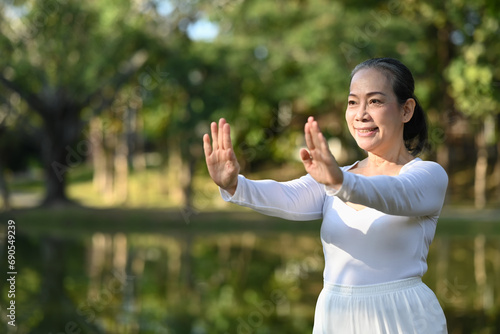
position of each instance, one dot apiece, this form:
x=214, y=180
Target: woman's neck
x=399, y=158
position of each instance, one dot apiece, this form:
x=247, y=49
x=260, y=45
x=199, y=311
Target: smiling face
x=374, y=116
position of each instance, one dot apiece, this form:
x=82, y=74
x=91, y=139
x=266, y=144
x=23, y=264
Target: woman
x=379, y=214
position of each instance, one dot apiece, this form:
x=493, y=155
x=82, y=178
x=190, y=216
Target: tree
x=67, y=60
x=472, y=75
x=277, y=62
x=294, y=59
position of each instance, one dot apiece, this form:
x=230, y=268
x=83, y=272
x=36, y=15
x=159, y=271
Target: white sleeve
x=300, y=199
x=418, y=190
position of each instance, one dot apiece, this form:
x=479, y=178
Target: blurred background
x=103, y=105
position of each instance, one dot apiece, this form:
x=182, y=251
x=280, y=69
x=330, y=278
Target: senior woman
x=379, y=214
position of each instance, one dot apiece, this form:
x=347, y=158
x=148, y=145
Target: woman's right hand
x=221, y=160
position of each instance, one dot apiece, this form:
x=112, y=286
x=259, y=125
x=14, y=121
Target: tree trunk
x=481, y=170
x=61, y=129
x=443, y=156
x=139, y=159
x=496, y=175
x=121, y=169
x=57, y=163
x=191, y=153
x=172, y=185
x=103, y=145
x=187, y=187
x=98, y=155
x=444, y=50
x=131, y=133
x=496, y=171
x=4, y=188
x=109, y=156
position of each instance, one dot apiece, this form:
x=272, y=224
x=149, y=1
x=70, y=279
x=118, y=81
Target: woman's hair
x=403, y=85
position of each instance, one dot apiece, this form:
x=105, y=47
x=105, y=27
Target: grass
x=152, y=206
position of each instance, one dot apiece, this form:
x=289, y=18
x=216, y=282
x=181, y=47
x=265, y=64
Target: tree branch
x=32, y=99
x=23, y=120
x=126, y=70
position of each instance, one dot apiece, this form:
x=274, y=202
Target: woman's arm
x=418, y=190
x=300, y=199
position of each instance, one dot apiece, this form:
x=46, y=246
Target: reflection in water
x=220, y=283
x=465, y=274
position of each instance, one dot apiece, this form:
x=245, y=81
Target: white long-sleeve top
x=386, y=241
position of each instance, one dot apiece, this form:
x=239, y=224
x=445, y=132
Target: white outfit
x=374, y=257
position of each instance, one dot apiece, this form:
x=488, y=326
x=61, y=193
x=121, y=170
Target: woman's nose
x=361, y=113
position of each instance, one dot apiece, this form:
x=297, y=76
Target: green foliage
x=293, y=60
x=473, y=74
x=69, y=46
x=272, y=64
x=472, y=88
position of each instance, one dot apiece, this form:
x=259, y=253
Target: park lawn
x=150, y=208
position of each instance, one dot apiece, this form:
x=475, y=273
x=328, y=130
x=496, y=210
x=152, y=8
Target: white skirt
x=406, y=306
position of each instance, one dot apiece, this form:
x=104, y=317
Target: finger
x=307, y=135
x=324, y=144
x=316, y=135
x=226, y=142
x=222, y=121
x=306, y=158
x=206, y=145
x=215, y=135
x=305, y=155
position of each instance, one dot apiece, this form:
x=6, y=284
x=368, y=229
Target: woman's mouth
x=365, y=132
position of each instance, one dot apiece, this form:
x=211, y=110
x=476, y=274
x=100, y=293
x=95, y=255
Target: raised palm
x=319, y=162
x=222, y=164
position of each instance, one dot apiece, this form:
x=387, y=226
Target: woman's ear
x=408, y=109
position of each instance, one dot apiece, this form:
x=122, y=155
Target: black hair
x=403, y=85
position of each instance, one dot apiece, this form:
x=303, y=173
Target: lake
x=207, y=282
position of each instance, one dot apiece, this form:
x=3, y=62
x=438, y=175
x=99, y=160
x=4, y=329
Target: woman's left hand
x=319, y=162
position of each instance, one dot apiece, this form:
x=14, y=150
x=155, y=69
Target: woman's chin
x=365, y=144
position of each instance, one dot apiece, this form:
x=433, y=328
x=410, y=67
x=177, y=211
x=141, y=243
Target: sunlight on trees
x=155, y=83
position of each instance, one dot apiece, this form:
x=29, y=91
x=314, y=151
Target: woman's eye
x=351, y=102
x=374, y=101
